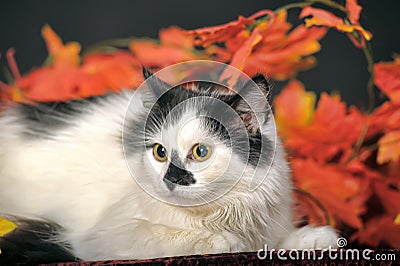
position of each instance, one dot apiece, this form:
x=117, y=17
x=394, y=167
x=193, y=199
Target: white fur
x=80, y=180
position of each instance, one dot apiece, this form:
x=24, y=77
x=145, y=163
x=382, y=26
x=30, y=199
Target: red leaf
x=378, y=231
x=320, y=17
x=209, y=35
x=332, y=187
x=387, y=78
x=354, y=10
x=240, y=56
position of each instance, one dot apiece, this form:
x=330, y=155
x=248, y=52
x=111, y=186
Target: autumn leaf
x=175, y=45
x=294, y=108
x=320, y=17
x=50, y=84
x=222, y=33
x=63, y=55
x=281, y=54
x=57, y=81
x=266, y=45
x=389, y=194
x=175, y=36
x=312, y=135
x=385, y=118
x=153, y=54
x=383, y=228
x=6, y=226
x=389, y=147
x=379, y=230
x=387, y=78
x=333, y=187
x=102, y=72
x=68, y=78
x=332, y=115
x=239, y=58
x=354, y=10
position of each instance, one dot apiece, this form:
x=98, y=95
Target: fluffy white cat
x=177, y=183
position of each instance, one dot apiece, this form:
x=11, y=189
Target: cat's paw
x=219, y=243
x=227, y=242
x=309, y=237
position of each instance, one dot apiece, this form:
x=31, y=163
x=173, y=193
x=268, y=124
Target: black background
x=342, y=67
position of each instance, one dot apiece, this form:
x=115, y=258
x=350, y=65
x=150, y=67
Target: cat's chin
x=185, y=196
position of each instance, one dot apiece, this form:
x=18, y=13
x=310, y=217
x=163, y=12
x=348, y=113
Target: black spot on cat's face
x=177, y=174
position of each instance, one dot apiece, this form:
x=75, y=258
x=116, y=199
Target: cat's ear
x=158, y=86
x=161, y=88
x=252, y=103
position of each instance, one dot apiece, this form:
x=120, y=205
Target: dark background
x=342, y=67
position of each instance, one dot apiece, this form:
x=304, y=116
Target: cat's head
x=195, y=144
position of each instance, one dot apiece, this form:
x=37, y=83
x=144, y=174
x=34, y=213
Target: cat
x=66, y=172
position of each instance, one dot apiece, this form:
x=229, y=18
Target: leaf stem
x=316, y=202
x=111, y=45
x=367, y=49
x=292, y=5
x=332, y=4
x=358, y=144
x=311, y=2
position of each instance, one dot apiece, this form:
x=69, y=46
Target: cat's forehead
x=182, y=118
x=185, y=131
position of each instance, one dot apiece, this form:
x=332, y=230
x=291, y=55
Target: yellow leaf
x=397, y=219
x=294, y=106
x=389, y=147
x=6, y=226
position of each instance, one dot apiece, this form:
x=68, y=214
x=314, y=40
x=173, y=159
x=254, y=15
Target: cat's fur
x=64, y=163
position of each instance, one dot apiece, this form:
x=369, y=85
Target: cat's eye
x=159, y=152
x=201, y=152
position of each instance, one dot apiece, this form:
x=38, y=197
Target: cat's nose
x=178, y=176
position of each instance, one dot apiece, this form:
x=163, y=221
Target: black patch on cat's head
x=34, y=242
x=252, y=103
x=218, y=118
x=252, y=106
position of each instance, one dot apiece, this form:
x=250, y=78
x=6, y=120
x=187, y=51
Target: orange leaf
x=281, y=54
x=176, y=45
x=333, y=187
x=151, y=54
x=379, y=230
x=326, y=133
x=209, y=35
x=239, y=58
x=294, y=107
x=387, y=78
x=385, y=118
x=389, y=195
x=98, y=74
x=320, y=17
x=50, y=84
x=64, y=55
x=389, y=147
x=354, y=10
x=176, y=36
